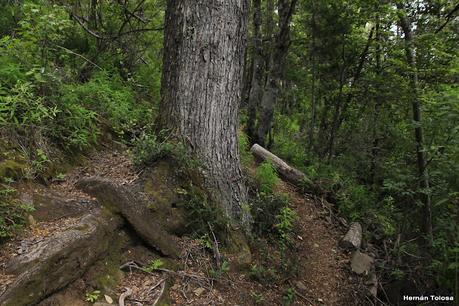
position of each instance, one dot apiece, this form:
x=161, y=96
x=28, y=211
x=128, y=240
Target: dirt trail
x=323, y=279
x=324, y=267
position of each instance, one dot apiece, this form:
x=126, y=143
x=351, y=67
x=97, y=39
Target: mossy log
x=135, y=209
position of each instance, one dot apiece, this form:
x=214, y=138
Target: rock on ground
x=361, y=263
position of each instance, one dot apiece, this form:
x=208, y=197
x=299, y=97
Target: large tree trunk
x=418, y=130
x=277, y=61
x=201, y=90
x=257, y=72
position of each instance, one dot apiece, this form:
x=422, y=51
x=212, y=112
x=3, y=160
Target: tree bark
x=417, y=118
x=277, y=60
x=313, y=80
x=201, y=91
x=377, y=106
x=257, y=72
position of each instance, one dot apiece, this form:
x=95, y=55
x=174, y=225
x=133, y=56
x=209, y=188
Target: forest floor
x=323, y=274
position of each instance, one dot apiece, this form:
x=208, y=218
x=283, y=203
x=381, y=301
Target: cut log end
x=353, y=238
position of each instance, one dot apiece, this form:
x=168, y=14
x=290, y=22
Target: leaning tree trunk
x=257, y=72
x=201, y=90
x=418, y=130
x=277, y=61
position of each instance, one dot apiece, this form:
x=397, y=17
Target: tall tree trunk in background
x=257, y=72
x=277, y=60
x=377, y=106
x=201, y=90
x=417, y=118
x=341, y=108
x=313, y=81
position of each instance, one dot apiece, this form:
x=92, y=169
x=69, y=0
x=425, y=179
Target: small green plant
x=206, y=242
x=285, y=224
x=258, y=298
x=217, y=273
x=92, y=296
x=154, y=265
x=262, y=274
x=246, y=155
x=147, y=149
x=265, y=208
x=289, y=297
x=60, y=176
x=12, y=212
x=266, y=177
x=202, y=214
x=397, y=274
x=40, y=162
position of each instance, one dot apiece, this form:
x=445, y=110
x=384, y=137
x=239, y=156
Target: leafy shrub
x=21, y=107
x=203, y=215
x=285, y=224
x=12, y=212
x=76, y=127
x=265, y=209
x=147, y=149
x=266, y=177
x=111, y=99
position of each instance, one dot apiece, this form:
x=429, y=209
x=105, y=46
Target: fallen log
x=285, y=171
x=353, y=237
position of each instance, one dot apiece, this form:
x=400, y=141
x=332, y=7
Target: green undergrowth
x=13, y=212
x=382, y=205
x=274, y=225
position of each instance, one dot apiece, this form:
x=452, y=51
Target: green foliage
x=153, y=265
x=21, y=107
x=289, y=297
x=262, y=274
x=223, y=269
x=147, y=149
x=244, y=150
x=258, y=298
x=49, y=85
x=266, y=177
x=12, y=212
x=109, y=98
x=204, y=216
x=76, y=127
x=40, y=162
x=92, y=296
x=285, y=224
x=266, y=209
